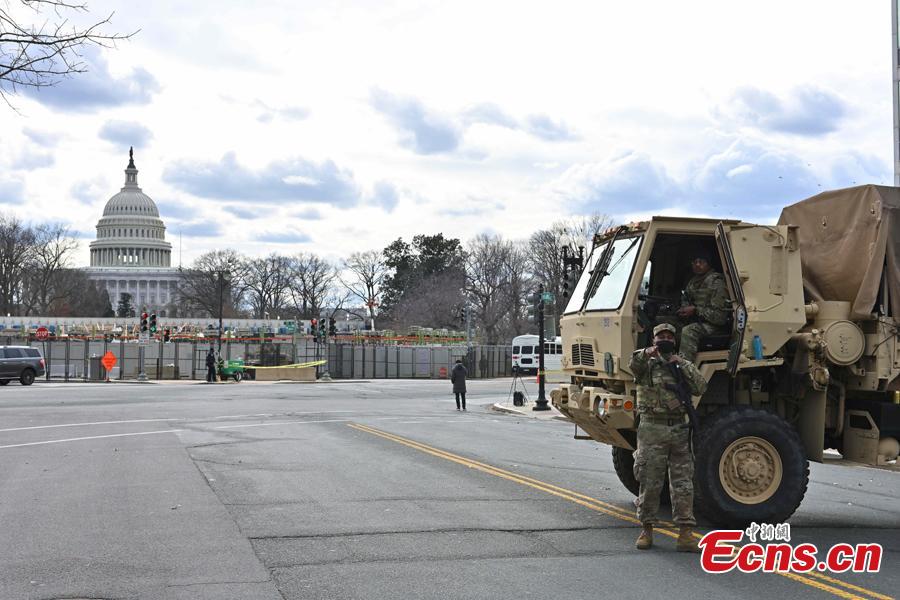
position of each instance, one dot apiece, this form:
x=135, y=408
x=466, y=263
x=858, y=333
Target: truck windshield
x=609, y=286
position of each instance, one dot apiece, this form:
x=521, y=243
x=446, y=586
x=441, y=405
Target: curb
x=527, y=412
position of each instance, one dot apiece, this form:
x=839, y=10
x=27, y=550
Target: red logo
x=720, y=553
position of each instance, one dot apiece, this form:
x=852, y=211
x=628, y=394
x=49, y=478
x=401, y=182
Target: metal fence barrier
x=77, y=359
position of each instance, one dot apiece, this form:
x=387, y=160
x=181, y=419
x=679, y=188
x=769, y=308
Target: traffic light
x=535, y=307
x=572, y=266
x=322, y=328
x=332, y=326
x=570, y=280
x=166, y=333
x=144, y=317
x=153, y=323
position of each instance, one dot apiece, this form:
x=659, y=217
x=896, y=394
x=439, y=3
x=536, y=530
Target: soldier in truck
x=705, y=306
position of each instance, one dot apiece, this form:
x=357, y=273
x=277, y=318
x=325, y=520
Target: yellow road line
x=519, y=476
x=592, y=504
x=849, y=586
x=603, y=507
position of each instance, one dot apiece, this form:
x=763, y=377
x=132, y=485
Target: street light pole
x=223, y=278
x=221, y=305
x=468, y=325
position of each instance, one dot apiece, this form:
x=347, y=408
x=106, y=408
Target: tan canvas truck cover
x=848, y=238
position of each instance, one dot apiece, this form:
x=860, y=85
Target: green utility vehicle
x=233, y=368
x=812, y=361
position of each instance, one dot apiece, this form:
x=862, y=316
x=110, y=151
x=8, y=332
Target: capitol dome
x=131, y=201
x=130, y=232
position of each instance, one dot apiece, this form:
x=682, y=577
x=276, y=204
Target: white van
x=525, y=354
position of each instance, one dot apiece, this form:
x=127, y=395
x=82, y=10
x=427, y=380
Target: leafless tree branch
x=39, y=46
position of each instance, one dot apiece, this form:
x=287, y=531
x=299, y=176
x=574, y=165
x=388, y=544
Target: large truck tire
x=623, y=463
x=749, y=466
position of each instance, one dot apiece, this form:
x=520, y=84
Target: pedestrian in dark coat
x=211, y=366
x=458, y=378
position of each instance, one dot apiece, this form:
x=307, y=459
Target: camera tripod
x=514, y=392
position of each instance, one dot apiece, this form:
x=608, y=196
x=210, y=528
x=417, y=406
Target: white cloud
x=375, y=120
x=299, y=180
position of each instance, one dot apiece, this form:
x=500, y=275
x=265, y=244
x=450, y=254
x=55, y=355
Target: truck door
x=732, y=278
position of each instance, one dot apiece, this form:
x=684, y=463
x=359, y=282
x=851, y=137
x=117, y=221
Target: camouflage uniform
x=662, y=438
x=709, y=295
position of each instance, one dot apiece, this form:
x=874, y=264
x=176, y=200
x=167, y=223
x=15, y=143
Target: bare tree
x=198, y=289
x=268, y=284
x=85, y=298
x=580, y=231
x=39, y=46
x=495, y=279
x=545, y=249
x=312, y=278
x=366, y=276
x=49, y=278
x=16, y=247
x=520, y=283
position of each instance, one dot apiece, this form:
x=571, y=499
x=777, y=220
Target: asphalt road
x=356, y=490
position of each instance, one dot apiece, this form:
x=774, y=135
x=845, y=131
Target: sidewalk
x=527, y=410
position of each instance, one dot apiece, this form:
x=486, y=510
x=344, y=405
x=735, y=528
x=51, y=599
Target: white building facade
x=131, y=254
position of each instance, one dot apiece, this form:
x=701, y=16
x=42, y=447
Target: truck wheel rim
x=750, y=470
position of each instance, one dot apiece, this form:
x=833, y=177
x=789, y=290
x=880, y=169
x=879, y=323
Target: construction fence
x=73, y=359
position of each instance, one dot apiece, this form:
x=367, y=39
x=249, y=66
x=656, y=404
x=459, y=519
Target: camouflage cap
x=664, y=327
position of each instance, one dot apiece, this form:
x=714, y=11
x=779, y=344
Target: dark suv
x=22, y=363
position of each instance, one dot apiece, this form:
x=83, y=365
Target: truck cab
x=633, y=280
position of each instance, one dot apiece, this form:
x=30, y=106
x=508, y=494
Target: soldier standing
x=211, y=366
x=663, y=437
x=705, y=305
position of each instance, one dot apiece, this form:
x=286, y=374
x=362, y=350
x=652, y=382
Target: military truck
x=811, y=361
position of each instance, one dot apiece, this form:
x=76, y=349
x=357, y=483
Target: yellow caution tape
x=314, y=363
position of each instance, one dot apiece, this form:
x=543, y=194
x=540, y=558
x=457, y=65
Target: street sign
x=108, y=360
x=42, y=333
x=143, y=340
x=547, y=297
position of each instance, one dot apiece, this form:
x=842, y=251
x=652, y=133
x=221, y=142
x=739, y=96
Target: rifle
x=683, y=394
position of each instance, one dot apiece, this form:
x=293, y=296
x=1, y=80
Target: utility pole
x=143, y=339
x=221, y=279
x=468, y=326
x=895, y=77
x=541, y=402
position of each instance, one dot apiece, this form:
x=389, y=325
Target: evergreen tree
x=125, y=308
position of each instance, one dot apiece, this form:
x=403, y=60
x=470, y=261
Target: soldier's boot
x=645, y=540
x=686, y=541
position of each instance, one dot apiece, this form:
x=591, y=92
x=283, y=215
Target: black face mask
x=665, y=346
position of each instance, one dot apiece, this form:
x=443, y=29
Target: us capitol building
x=131, y=254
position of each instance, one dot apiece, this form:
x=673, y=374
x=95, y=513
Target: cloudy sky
x=333, y=127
